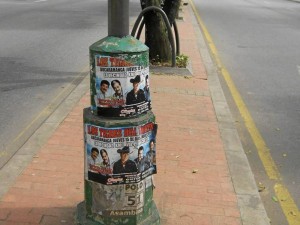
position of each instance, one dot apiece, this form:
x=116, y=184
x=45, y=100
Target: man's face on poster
x=94, y=155
x=124, y=157
x=104, y=158
x=117, y=88
x=140, y=155
x=104, y=88
x=152, y=146
x=135, y=87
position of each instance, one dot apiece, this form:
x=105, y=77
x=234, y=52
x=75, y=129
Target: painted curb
x=250, y=204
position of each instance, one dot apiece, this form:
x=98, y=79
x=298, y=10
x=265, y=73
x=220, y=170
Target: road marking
x=298, y=69
x=40, y=1
x=285, y=199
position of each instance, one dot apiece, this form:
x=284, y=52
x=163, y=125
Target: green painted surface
x=88, y=197
x=90, y=118
x=145, y=215
x=82, y=219
x=116, y=45
x=134, y=53
x=149, y=210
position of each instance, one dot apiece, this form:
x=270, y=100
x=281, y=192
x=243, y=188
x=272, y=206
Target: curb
x=251, y=208
x=14, y=167
x=250, y=204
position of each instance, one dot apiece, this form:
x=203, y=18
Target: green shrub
x=182, y=61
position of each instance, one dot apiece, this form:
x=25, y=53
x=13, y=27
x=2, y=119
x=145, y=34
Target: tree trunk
x=171, y=8
x=156, y=35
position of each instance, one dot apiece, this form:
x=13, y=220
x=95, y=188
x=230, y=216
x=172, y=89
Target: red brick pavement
x=188, y=140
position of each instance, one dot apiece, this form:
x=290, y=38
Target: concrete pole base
x=81, y=218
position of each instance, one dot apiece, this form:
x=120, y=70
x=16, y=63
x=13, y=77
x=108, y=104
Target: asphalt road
x=44, y=47
x=258, y=43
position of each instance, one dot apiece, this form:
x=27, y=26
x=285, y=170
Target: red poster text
x=115, y=133
x=130, y=132
x=146, y=128
x=92, y=130
x=103, y=61
x=119, y=62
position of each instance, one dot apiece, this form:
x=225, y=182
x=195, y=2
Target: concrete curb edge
x=250, y=204
x=14, y=167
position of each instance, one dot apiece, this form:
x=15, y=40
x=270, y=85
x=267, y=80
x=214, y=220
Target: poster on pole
x=120, y=200
x=120, y=155
x=122, y=88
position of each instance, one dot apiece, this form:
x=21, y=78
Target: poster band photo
x=122, y=89
x=120, y=155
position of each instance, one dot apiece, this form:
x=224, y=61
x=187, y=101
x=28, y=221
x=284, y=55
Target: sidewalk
x=203, y=174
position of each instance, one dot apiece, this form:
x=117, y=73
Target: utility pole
x=119, y=130
x=118, y=18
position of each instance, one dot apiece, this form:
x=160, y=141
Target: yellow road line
x=285, y=199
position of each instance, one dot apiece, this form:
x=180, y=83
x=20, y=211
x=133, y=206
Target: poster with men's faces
x=122, y=86
x=120, y=155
